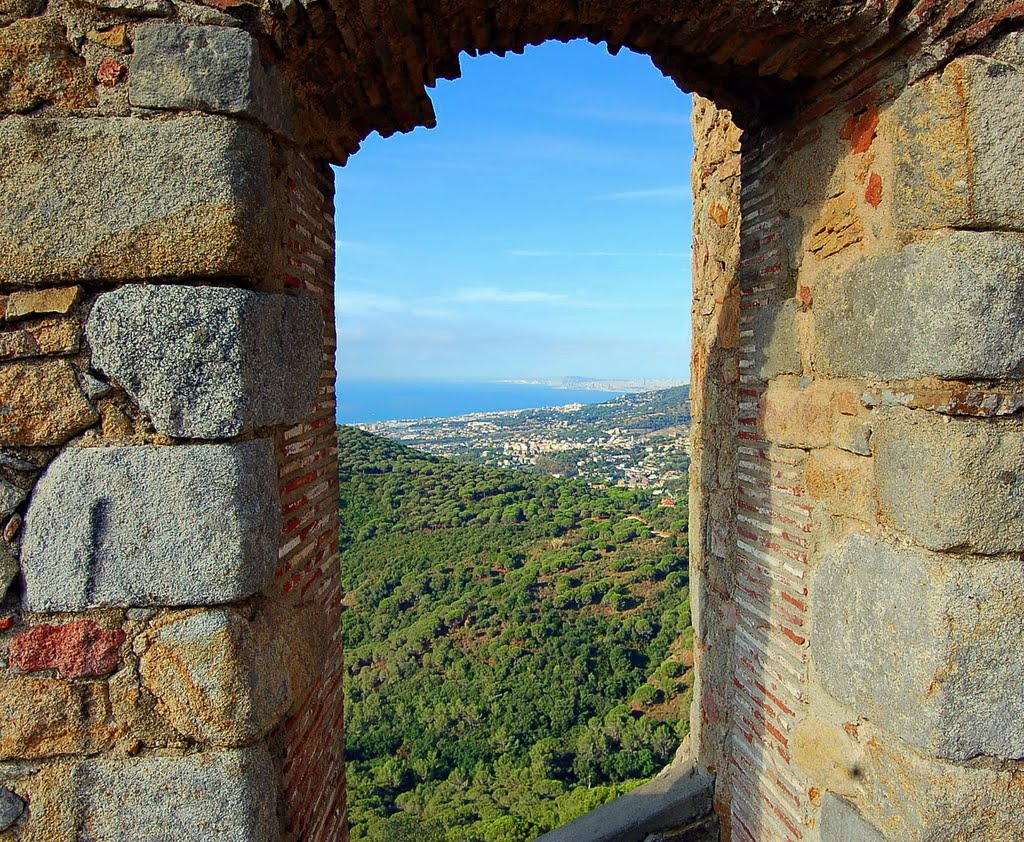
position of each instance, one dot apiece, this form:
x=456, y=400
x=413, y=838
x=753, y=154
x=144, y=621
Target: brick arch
x=166, y=213
x=373, y=63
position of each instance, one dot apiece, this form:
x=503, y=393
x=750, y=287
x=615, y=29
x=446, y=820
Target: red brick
x=860, y=130
x=75, y=650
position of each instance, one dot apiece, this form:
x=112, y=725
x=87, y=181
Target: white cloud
x=495, y=295
x=540, y=253
x=367, y=303
x=673, y=193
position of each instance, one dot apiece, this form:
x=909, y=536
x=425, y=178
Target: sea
x=368, y=401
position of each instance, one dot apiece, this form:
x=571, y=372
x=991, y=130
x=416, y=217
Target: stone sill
x=678, y=796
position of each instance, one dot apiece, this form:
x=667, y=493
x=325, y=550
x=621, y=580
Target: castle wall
x=169, y=616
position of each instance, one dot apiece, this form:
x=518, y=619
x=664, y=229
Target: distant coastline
x=600, y=384
x=370, y=401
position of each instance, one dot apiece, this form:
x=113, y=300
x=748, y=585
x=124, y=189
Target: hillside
x=518, y=645
x=638, y=440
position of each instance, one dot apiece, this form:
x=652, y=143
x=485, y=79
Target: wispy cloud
x=362, y=248
x=366, y=303
x=496, y=295
x=542, y=253
x=671, y=193
x=630, y=115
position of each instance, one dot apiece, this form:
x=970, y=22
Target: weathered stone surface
x=206, y=68
x=133, y=8
x=828, y=755
x=957, y=148
x=915, y=798
x=114, y=37
x=42, y=403
x=37, y=302
x=11, y=808
x=77, y=649
x=45, y=717
x=37, y=66
x=219, y=796
x=11, y=10
x=776, y=340
x=840, y=822
x=10, y=497
x=842, y=481
x=936, y=308
x=137, y=526
x=199, y=202
x=219, y=677
x=953, y=483
x=210, y=362
x=797, y=417
x=8, y=568
x=44, y=339
x=948, y=635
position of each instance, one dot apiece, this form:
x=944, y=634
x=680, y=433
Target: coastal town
x=636, y=440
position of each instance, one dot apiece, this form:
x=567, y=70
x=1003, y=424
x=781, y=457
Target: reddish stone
x=861, y=130
x=110, y=72
x=224, y=5
x=873, y=196
x=75, y=649
x=12, y=528
x=6, y=622
x=806, y=297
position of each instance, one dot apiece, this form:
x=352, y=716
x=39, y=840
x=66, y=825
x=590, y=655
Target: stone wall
x=857, y=482
x=169, y=617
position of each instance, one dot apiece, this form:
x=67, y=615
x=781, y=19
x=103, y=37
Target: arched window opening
x=517, y=625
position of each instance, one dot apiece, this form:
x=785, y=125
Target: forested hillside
x=518, y=645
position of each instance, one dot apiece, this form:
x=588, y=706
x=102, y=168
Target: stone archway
x=167, y=390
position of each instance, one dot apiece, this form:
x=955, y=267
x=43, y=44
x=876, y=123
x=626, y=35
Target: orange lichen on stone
x=838, y=227
x=719, y=212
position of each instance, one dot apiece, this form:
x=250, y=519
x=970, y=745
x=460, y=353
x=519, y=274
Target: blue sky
x=541, y=230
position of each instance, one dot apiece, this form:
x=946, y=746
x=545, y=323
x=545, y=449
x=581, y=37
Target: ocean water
x=365, y=401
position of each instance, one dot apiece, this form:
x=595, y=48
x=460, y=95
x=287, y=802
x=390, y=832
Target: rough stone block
x=840, y=822
x=924, y=646
x=777, y=340
x=8, y=568
x=36, y=302
x=11, y=10
x=76, y=650
x=829, y=755
x=917, y=798
x=11, y=808
x=42, y=403
x=219, y=678
x=210, y=362
x=137, y=526
x=843, y=482
x=43, y=339
x=797, y=417
x=215, y=796
x=206, y=68
x=38, y=66
x=958, y=144
x=10, y=497
x=123, y=198
x=939, y=308
x=953, y=483
x=46, y=717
